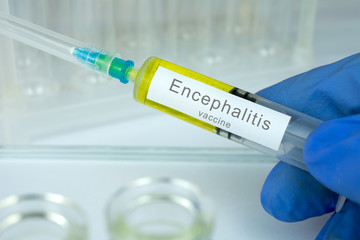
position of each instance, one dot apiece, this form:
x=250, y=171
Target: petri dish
x=43, y=216
x=161, y=209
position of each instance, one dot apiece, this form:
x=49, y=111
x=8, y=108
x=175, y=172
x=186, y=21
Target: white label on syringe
x=219, y=108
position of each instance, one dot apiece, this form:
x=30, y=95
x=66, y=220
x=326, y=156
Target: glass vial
x=159, y=208
x=41, y=217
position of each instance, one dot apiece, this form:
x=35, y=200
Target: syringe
x=215, y=106
x=205, y=102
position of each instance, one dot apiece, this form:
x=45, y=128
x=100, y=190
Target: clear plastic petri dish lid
x=161, y=209
x=44, y=216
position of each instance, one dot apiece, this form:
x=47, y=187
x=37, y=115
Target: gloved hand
x=331, y=152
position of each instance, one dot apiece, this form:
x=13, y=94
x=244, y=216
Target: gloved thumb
x=332, y=155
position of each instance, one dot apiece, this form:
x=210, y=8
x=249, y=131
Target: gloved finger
x=327, y=92
x=291, y=194
x=343, y=225
x=332, y=155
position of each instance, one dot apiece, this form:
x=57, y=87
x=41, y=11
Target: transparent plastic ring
x=160, y=208
x=41, y=217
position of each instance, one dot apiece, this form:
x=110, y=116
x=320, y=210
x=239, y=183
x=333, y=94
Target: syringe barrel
x=292, y=143
x=39, y=37
x=226, y=110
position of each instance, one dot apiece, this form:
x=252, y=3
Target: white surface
x=234, y=187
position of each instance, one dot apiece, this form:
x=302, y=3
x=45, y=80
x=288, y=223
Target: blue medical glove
x=331, y=152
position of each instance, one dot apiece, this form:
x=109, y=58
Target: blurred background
x=52, y=112
x=248, y=44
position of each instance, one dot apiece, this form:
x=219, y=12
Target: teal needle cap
x=103, y=62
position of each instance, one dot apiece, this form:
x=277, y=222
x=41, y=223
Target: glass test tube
x=33, y=66
x=95, y=26
x=7, y=65
x=303, y=53
x=185, y=20
x=137, y=28
x=160, y=208
x=216, y=28
x=60, y=18
x=271, y=31
x=171, y=28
